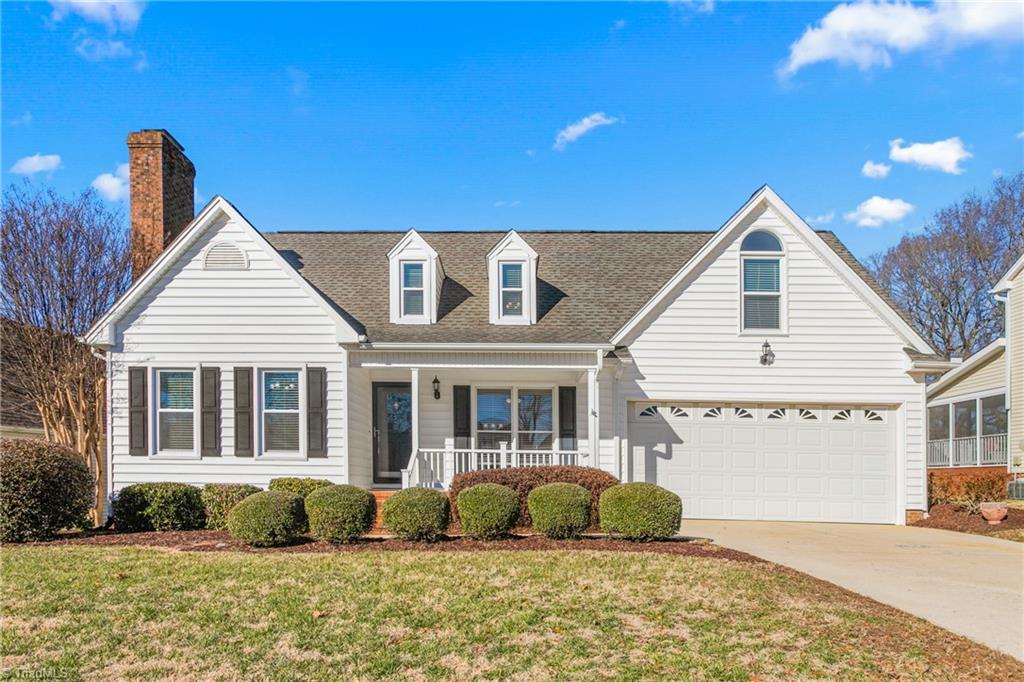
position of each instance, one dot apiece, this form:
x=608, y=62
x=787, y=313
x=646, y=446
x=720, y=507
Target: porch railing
x=970, y=451
x=435, y=468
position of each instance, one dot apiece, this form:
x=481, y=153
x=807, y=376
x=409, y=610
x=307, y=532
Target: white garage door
x=769, y=462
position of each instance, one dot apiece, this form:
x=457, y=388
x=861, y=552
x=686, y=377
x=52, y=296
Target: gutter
x=496, y=347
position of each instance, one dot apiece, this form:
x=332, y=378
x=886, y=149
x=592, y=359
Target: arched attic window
x=761, y=263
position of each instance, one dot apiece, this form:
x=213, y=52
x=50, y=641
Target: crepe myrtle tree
x=65, y=260
x=943, y=275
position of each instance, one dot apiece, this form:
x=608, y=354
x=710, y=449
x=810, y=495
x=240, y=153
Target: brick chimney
x=162, y=194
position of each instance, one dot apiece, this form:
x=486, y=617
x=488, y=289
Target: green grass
x=107, y=612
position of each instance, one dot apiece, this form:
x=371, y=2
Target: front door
x=392, y=430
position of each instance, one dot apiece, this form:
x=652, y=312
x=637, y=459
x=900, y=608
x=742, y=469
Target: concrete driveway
x=969, y=584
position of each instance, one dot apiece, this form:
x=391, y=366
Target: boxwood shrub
x=640, y=511
x=560, y=510
x=44, y=488
x=268, y=519
x=158, y=506
x=299, y=486
x=417, y=514
x=488, y=510
x=219, y=498
x=340, y=513
x=524, y=479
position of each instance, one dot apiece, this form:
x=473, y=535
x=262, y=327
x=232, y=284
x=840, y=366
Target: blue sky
x=390, y=116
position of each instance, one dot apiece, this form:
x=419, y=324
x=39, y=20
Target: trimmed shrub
x=219, y=498
x=299, y=486
x=268, y=519
x=340, y=513
x=158, y=506
x=966, y=488
x=417, y=514
x=640, y=511
x=488, y=510
x=44, y=488
x=560, y=510
x=524, y=479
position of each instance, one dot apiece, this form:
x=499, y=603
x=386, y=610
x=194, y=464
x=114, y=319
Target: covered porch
x=430, y=415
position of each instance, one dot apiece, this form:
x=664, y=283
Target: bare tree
x=943, y=276
x=63, y=262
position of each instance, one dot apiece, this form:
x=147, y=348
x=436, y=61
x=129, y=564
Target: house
x=19, y=417
x=1010, y=290
x=757, y=370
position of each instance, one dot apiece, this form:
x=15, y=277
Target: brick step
x=380, y=496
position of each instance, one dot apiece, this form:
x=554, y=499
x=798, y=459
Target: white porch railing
x=435, y=468
x=970, y=451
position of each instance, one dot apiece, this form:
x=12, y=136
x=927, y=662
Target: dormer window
x=416, y=276
x=512, y=273
x=761, y=278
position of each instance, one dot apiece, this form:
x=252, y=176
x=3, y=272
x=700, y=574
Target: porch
x=436, y=468
x=968, y=431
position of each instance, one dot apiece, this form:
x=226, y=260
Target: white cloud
x=618, y=24
x=878, y=210
x=123, y=15
x=96, y=50
x=113, y=186
x=1020, y=135
x=23, y=120
x=575, y=131
x=865, y=34
x=823, y=219
x=944, y=155
x=37, y=163
x=507, y=204
x=870, y=169
x=699, y=6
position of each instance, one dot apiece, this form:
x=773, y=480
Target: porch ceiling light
x=767, y=356
x=437, y=388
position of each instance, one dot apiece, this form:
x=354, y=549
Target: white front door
x=769, y=462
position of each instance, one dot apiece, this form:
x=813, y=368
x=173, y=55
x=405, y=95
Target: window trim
x=781, y=258
x=154, y=413
x=259, y=452
x=423, y=317
x=502, y=315
x=514, y=394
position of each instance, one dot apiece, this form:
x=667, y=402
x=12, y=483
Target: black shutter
x=243, y=411
x=209, y=425
x=567, y=417
x=138, y=415
x=316, y=412
x=462, y=428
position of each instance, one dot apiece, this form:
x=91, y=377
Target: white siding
x=1015, y=348
x=360, y=422
x=259, y=317
x=837, y=349
x=990, y=375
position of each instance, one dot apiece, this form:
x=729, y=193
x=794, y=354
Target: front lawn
x=115, y=612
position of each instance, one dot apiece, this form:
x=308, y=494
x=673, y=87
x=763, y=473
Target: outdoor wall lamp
x=767, y=356
x=437, y=388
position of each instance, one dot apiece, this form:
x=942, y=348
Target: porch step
x=380, y=496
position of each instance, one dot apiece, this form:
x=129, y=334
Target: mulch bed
x=221, y=541
x=950, y=517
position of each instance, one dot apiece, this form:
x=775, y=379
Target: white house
x=758, y=370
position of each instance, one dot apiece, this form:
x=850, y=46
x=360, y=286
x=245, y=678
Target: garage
x=769, y=461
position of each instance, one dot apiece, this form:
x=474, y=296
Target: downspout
x=1008, y=362
x=108, y=428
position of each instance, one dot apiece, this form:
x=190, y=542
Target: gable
x=983, y=371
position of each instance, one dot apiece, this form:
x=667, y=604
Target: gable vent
x=224, y=256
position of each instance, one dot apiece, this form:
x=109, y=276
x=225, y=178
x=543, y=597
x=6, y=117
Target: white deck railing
x=435, y=468
x=970, y=451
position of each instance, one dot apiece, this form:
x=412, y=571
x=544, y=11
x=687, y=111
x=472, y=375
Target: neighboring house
x=758, y=371
x=1010, y=290
x=19, y=417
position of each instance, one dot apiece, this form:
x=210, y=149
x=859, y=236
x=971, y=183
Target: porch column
x=592, y=419
x=415, y=408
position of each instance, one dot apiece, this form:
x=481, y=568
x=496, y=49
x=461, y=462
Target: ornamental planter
x=993, y=512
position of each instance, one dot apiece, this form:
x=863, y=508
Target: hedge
x=967, y=489
x=219, y=498
x=299, y=486
x=340, y=513
x=524, y=479
x=417, y=514
x=44, y=488
x=158, y=506
x=640, y=511
x=560, y=510
x=268, y=519
x=488, y=510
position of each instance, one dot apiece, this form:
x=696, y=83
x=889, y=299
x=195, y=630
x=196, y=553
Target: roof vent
x=224, y=256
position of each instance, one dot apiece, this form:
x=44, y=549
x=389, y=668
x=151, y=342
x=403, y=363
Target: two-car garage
x=769, y=461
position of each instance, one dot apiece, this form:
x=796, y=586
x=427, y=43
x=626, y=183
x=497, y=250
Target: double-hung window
x=412, y=289
x=493, y=417
x=175, y=421
x=761, y=262
x=511, y=289
x=281, y=412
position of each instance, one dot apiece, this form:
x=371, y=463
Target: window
x=843, y=416
x=713, y=413
x=281, y=411
x=650, y=411
x=511, y=289
x=742, y=413
x=874, y=416
x=993, y=415
x=412, y=289
x=512, y=282
x=938, y=422
x=678, y=412
x=176, y=411
x=807, y=415
x=762, y=291
x=535, y=419
x=777, y=413
x=493, y=417
x=529, y=426
x=965, y=419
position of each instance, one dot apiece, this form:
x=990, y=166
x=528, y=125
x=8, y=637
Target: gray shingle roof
x=590, y=283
